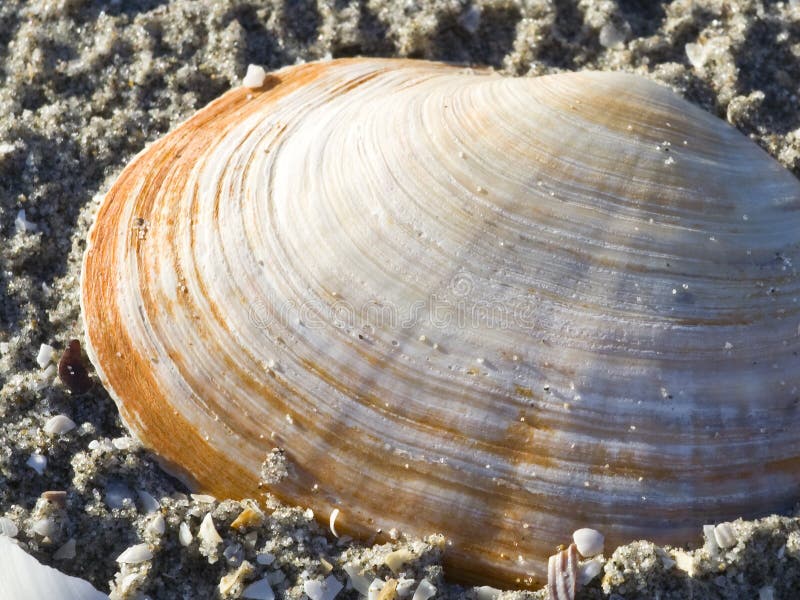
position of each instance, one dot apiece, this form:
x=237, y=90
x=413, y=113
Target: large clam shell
x=496, y=308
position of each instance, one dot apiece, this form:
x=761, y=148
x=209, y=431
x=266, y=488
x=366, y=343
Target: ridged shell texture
x=497, y=308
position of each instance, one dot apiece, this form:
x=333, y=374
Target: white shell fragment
x=359, y=582
x=588, y=541
x=255, y=76
x=37, y=462
x=135, y=554
x=66, y=551
x=185, y=534
x=491, y=307
x=22, y=224
x=58, y=425
x=326, y=589
x=424, y=590
x=589, y=570
x=148, y=502
x=8, y=528
x=332, y=522
x=45, y=355
x=209, y=539
x=157, y=525
x=45, y=527
x=562, y=574
x=23, y=577
x=725, y=535
x=259, y=590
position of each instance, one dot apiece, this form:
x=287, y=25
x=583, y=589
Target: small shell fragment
x=135, y=554
x=395, y=560
x=725, y=535
x=45, y=527
x=389, y=590
x=251, y=516
x=157, y=525
x=209, y=539
x=148, y=502
x=562, y=574
x=259, y=590
x=185, y=534
x=37, y=462
x=255, y=77
x=58, y=425
x=8, y=528
x=332, y=523
x=589, y=570
x=424, y=590
x=56, y=497
x=588, y=541
x=357, y=580
x=325, y=589
x=66, y=551
x=45, y=355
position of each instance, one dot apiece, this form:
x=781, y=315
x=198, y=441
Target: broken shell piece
x=56, y=497
x=58, y=425
x=157, y=525
x=395, y=560
x=589, y=570
x=332, y=523
x=66, y=551
x=235, y=579
x=357, y=579
x=45, y=355
x=326, y=589
x=255, y=76
x=37, y=462
x=135, y=554
x=725, y=535
x=259, y=590
x=562, y=574
x=185, y=534
x=45, y=527
x=388, y=590
x=251, y=516
x=209, y=539
x=588, y=541
x=424, y=590
x=22, y=577
x=8, y=528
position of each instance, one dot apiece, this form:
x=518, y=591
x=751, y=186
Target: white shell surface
x=22, y=576
x=494, y=308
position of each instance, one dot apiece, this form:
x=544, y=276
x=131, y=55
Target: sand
x=85, y=84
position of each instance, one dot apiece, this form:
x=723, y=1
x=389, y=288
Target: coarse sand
x=85, y=84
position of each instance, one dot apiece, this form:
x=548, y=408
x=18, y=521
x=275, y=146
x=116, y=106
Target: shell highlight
x=500, y=309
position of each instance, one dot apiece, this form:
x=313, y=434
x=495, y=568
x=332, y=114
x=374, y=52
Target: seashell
x=496, y=308
x=589, y=542
x=135, y=554
x=562, y=574
x=23, y=576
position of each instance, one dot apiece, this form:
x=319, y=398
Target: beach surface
x=86, y=84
